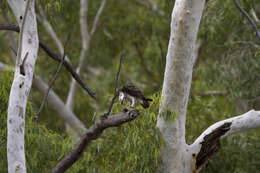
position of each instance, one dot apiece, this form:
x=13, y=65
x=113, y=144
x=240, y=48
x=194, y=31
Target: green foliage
x=239, y=153
x=230, y=49
x=229, y=59
x=133, y=147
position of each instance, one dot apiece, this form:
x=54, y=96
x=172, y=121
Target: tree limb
x=55, y=76
x=93, y=133
x=208, y=142
x=116, y=87
x=248, y=18
x=86, y=37
x=43, y=19
x=94, y=26
x=56, y=57
x=213, y=92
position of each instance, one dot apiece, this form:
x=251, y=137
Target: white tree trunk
x=186, y=17
x=178, y=157
x=26, y=57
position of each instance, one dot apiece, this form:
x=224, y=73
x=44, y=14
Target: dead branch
x=93, y=133
x=213, y=93
x=116, y=87
x=248, y=18
x=55, y=75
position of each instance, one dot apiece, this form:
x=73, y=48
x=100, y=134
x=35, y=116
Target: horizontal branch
x=54, y=56
x=93, y=133
x=208, y=142
x=213, y=93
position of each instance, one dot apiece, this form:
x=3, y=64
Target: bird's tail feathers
x=146, y=103
x=147, y=99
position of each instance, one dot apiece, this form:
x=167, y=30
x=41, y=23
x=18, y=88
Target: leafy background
x=228, y=60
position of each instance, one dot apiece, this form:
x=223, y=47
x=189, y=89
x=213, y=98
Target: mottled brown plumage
x=131, y=93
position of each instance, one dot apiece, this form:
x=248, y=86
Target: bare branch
x=57, y=104
x=93, y=133
x=213, y=92
x=55, y=76
x=43, y=19
x=94, y=26
x=86, y=37
x=116, y=87
x=248, y=18
x=56, y=57
x=221, y=129
x=253, y=13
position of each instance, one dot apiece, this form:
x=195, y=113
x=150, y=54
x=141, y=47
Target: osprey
x=134, y=95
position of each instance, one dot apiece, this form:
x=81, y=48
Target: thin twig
x=116, y=87
x=54, y=56
x=248, y=18
x=55, y=76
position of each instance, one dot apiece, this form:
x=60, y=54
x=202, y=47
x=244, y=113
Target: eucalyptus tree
x=178, y=156
x=26, y=56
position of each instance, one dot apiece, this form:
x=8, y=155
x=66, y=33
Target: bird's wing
x=133, y=91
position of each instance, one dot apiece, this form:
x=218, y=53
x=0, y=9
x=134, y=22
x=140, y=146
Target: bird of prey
x=132, y=94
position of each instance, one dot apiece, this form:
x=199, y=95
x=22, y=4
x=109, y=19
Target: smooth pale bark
x=178, y=156
x=26, y=57
x=246, y=121
x=180, y=58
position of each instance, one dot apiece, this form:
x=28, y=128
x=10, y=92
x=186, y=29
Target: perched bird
x=132, y=94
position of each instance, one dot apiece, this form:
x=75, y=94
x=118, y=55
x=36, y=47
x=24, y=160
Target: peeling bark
x=210, y=145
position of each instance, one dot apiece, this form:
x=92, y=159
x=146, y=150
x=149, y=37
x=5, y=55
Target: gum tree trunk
x=185, y=21
x=178, y=156
x=26, y=57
